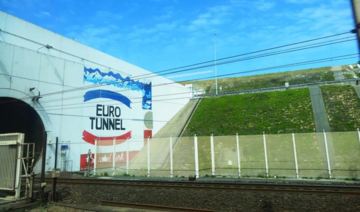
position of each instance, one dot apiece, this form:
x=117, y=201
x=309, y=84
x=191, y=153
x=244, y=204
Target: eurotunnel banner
x=112, y=115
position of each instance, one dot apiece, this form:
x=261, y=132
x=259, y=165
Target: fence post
x=266, y=162
x=148, y=156
x=95, y=157
x=196, y=157
x=127, y=156
x=212, y=155
x=238, y=154
x=171, y=158
x=114, y=143
x=327, y=155
x=358, y=134
x=296, y=163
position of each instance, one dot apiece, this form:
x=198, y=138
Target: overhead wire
x=243, y=59
x=136, y=77
x=210, y=65
x=341, y=57
x=340, y=40
x=210, y=61
x=258, y=51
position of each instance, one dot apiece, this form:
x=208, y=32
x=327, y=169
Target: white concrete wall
x=58, y=74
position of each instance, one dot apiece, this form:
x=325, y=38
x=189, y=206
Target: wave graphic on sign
x=105, y=141
x=95, y=76
x=94, y=94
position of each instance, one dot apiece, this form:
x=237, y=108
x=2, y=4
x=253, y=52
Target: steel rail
x=147, y=206
x=252, y=187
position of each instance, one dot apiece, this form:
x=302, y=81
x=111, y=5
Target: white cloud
x=213, y=16
x=300, y=1
x=22, y=4
x=61, y=19
x=166, y=14
x=108, y=16
x=42, y=14
x=264, y=5
x=94, y=36
x=190, y=74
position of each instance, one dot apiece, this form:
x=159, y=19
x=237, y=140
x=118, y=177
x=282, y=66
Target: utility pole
x=356, y=14
x=215, y=64
x=43, y=162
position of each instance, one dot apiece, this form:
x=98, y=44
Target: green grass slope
x=266, y=80
x=248, y=114
x=342, y=107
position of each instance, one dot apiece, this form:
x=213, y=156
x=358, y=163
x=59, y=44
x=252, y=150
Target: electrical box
x=286, y=85
x=55, y=173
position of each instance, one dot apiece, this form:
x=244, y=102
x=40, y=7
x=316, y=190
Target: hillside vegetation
x=342, y=107
x=266, y=80
x=248, y=114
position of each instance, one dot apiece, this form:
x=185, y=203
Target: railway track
x=261, y=187
x=151, y=207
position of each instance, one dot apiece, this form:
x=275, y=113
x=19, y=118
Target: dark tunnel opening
x=19, y=117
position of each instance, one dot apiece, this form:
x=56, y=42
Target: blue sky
x=163, y=34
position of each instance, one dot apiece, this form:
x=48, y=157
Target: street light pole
x=215, y=64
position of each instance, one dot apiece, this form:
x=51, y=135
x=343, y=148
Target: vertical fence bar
x=196, y=157
x=295, y=156
x=358, y=134
x=171, y=158
x=113, y=158
x=95, y=157
x=266, y=161
x=238, y=154
x=19, y=172
x=148, y=156
x=127, y=156
x=327, y=155
x=212, y=155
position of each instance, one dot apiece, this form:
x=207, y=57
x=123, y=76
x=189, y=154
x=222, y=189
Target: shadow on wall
x=4, y=71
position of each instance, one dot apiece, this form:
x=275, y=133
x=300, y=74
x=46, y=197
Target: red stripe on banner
x=105, y=141
x=147, y=134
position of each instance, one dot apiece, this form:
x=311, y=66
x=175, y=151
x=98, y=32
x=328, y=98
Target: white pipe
x=148, y=156
x=266, y=162
x=196, y=158
x=238, y=154
x=327, y=155
x=171, y=158
x=18, y=166
x=127, y=156
x=114, y=143
x=358, y=134
x=95, y=157
x=216, y=85
x=212, y=155
x=295, y=156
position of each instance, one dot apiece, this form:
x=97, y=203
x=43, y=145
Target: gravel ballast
x=214, y=199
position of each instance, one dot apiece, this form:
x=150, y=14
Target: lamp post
x=215, y=64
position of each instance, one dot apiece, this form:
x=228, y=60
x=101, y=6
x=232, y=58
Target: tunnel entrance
x=17, y=116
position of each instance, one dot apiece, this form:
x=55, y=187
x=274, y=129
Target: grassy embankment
x=249, y=114
x=266, y=80
x=342, y=107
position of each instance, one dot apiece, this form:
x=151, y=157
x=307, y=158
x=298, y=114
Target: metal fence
x=304, y=155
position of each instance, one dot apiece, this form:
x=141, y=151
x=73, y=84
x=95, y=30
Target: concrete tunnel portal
x=18, y=116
